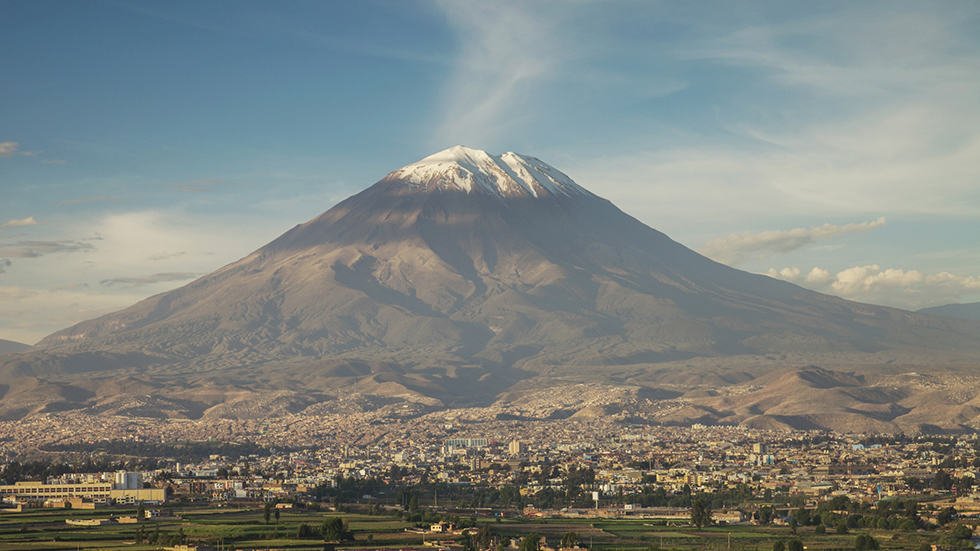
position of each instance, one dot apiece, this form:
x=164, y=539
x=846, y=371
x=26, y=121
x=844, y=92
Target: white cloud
x=789, y=273
x=817, y=276
x=8, y=149
x=19, y=222
x=734, y=248
x=912, y=289
x=46, y=292
x=29, y=314
x=855, y=121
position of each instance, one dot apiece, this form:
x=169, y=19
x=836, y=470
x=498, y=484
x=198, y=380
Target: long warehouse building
x=99, y=492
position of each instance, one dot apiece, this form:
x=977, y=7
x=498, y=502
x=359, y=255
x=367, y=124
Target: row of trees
x=863, y=542
x=333, y=529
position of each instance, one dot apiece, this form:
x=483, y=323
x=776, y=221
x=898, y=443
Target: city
x=489, y=275
x=435, y=468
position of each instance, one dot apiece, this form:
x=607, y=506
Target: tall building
x=517, y=447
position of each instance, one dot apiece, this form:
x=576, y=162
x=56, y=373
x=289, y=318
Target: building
x=123, y=480
x=99, y=492
x=466, y=443
x=517, y=447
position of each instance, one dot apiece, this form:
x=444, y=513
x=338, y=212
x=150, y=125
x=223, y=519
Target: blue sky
x=142, y=144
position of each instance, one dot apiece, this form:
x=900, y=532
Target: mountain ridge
x=453, y=284
x=965, y=311
x=7, y=346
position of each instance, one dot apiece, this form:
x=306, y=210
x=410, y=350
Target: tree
x=334, y=529
x=141, y=513
x=305, y=531
x=841, y=526
x=700, y=513
x=765, y=515
x=530, y=542
x=277, y=516
x=570, y=539
x=484, y=537
x=961, y=532
x=942, y=481
x=794, y=545
x=864, y=542
x=958, y=537
x=267, y=512
x=778, y=546
x=946, y=515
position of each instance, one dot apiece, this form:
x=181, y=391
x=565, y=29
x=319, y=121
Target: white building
x=125, y=480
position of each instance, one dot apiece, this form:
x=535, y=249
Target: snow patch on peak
x=510, y=174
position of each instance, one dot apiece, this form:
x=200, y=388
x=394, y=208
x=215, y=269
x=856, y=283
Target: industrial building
x=98, y=492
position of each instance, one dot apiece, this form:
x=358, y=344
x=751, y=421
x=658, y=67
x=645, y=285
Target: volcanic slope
x=463, y=275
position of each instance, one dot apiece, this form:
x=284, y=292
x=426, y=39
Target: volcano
x=467, y=276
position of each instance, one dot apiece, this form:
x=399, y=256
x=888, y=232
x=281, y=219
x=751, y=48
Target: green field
x=238, y=528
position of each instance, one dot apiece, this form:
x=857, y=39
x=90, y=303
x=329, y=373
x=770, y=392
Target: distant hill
x=11, y=346
x=969, y=311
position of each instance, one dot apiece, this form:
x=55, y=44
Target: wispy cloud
x=10, y=149
x=835, y=115
x=35, y=249
x=53, y=291
x=166, y=256
x=898, y=287
x=19, y=222
x=164, y=277
x=504, y=52
x=735, y=248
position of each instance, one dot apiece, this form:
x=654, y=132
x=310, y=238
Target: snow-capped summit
x=510, y=174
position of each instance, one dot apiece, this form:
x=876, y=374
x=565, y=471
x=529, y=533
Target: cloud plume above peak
x=504, y=51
